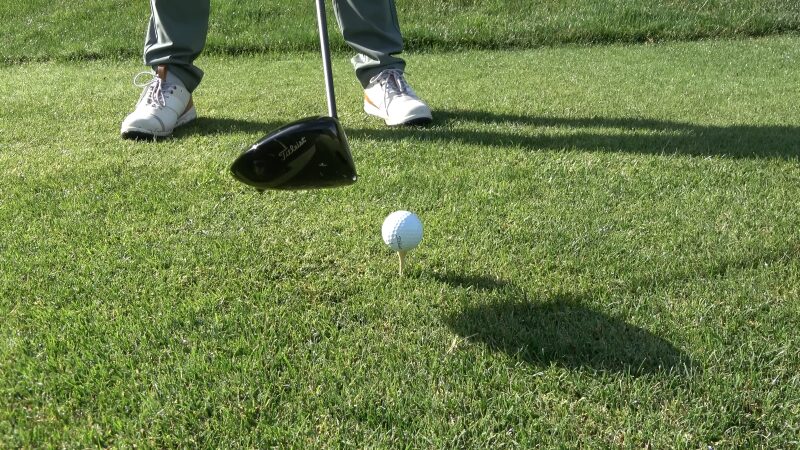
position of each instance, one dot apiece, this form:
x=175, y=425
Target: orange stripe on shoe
x=366, y=99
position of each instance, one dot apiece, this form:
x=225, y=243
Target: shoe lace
x=393, y=83
x=156, y=91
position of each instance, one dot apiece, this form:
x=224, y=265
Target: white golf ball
x=402, y=231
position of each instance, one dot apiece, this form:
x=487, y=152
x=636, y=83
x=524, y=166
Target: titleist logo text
x=288, y=151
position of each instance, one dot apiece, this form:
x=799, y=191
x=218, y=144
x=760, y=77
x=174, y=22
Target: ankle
x=167, y=74
x=174, y=80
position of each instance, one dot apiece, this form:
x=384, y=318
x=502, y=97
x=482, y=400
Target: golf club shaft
x=322, y=22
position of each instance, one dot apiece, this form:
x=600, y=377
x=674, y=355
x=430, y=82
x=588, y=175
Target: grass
x=611, y=258
x=35, y=30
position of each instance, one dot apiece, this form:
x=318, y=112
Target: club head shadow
x=311, y=153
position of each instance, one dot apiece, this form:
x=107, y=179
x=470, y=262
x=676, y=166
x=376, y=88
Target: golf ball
x=402, y=231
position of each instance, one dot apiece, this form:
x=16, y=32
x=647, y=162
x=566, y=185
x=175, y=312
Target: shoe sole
x=410, y=120
x=141, y=134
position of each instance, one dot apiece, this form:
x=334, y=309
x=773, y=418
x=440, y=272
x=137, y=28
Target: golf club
x=307, y=154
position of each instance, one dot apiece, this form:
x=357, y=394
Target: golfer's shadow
x=214, y=126
x=598, y=134
x=563, y=331
x=631, y=135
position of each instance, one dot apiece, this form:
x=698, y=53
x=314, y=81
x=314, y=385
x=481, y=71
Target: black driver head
x=308, y=154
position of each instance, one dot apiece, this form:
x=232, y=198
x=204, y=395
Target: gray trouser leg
x=178, y=28
x=370, y=27
x=176, y=36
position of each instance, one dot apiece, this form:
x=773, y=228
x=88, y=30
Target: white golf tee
x=401, y=255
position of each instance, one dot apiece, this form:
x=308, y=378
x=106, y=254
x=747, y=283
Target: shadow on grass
x=561, y=331
x=631, y=135
x=214, y=126
x=567, y=333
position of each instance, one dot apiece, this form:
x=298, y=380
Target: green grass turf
x=611, y=258
x=87, y=29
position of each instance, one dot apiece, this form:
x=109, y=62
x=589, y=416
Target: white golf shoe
x=161, y=108
x=389, y=97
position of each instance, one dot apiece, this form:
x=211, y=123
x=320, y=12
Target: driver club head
x=308, y=154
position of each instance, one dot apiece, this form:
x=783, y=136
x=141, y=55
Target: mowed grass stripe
x=36, y=30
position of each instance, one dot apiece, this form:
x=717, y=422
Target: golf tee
x=402, y=257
